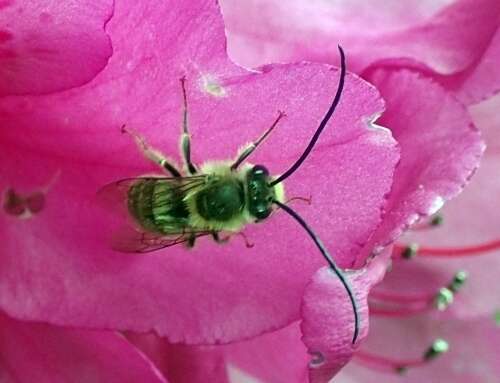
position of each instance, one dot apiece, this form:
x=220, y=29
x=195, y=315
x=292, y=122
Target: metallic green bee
x=220, y=197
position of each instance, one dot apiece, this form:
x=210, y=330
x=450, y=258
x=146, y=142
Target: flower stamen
x=413, y=249
x=406, y=305
x=434, y=221
x=438, y=347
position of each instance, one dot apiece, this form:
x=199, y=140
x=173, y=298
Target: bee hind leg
x=190, y=241
x=185, y=137
x=218, y=239
x=152, y=154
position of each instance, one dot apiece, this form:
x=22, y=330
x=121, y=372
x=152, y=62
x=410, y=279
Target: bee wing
x=131, y=240
x=114, y=195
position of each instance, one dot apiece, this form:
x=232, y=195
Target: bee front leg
x=185, y=137
x=152, y=154
x=248, y=149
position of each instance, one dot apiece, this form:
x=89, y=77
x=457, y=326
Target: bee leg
x=245, y=152
x=191, y=240
x=185, y=137
x=218, y=239
x=152, y=154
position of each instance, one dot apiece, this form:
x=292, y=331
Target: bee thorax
x=221, y=201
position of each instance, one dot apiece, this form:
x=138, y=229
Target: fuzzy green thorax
x=230, y=199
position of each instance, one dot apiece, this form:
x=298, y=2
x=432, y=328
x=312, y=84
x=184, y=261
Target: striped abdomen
x=158, y=206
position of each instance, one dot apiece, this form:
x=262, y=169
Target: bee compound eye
x=259, y=170
x=262, y=212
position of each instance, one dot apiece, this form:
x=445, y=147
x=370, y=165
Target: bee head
x=260, y=194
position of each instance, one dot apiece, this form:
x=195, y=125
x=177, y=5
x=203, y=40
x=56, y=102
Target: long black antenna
x=321, y=126
x=330, y=262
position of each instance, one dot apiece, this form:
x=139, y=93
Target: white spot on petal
x=317, y=359
x=237, y=375
x=382, y=135
x=210, y=85
x=436, y=205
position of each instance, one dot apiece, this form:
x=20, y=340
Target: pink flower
x=464, y=242
x=35, y=352
x=58, y=150
x=472, y=357
x=456, y=40
x=422, y=61
x=51, y=46
x=282, y=355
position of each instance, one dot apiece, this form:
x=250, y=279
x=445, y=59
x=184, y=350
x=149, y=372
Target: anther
x=433, y=222
x=416, y=304
x=443, y=298
x=401, y=370
x=445, y=295
x=458, y=251
x=437, y=220
x=439, y=346
x=410, y=251
x=458, y=281
x=496, y=317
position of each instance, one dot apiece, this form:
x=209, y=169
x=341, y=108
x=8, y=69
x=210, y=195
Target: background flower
x=473, y=351
x=455, y=40
x=35, y=352
x=51, y=46
x=433, y=60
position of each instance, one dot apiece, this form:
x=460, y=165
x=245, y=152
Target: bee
x=218, y=197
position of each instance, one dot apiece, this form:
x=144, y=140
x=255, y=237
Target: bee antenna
x=330, y=262
x=321, y=126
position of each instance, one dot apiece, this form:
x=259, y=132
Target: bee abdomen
x=157, y=206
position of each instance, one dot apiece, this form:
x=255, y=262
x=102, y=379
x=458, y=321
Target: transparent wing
x=114, y=195
x=130, y=240
x=130, y=237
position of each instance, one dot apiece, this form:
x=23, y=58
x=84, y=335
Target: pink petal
x=58, y=266
x=328, y=336
x=31, y=352
x=481, y=80
x=181, y=363
x=279, y=356
x=447, y=38
x=473, y=360
x=469, y=220
x=51, y=46
x=440, y=148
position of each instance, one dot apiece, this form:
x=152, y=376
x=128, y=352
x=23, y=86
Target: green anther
x=437, y=220
x=443, y=298
x=458, y=281
x=439, y=347
x=401, y=370
x=496, y=317
x=410, y=251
